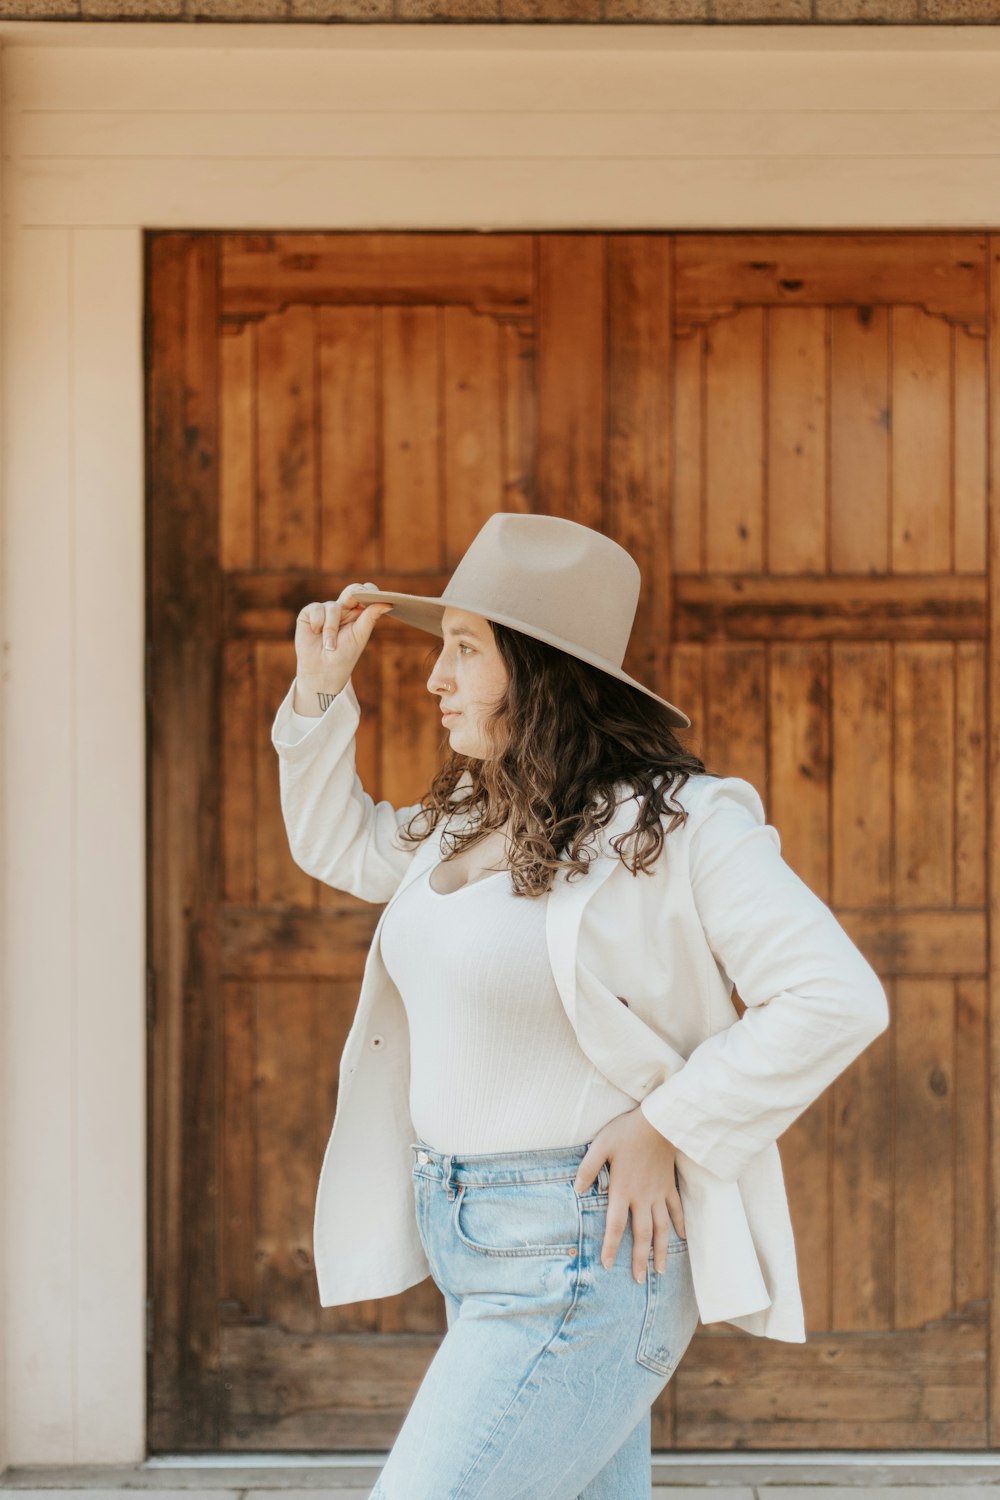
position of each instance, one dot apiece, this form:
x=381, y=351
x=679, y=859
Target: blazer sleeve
x=336, y=831
x=813, y=1002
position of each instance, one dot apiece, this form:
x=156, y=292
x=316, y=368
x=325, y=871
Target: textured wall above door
x=646, y=12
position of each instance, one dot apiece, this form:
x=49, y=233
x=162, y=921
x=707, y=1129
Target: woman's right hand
x=330, y=636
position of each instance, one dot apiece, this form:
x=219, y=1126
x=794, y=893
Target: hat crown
x=555, y=575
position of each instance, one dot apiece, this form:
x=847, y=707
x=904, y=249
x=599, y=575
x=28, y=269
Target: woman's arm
x=336, y=832
x=813, y=1000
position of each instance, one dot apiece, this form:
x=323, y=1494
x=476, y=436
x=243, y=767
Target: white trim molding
x=112, y=128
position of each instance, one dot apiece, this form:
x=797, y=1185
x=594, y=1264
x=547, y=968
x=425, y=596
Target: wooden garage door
x=790, y=433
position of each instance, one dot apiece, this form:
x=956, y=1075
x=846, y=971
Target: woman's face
x=470, y=677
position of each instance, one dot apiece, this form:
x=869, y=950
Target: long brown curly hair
x=567, y=736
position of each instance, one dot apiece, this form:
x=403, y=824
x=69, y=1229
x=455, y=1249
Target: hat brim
x=425, y=613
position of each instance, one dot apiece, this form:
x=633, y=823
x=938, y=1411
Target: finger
x=642, y=1240
x=586, y=1171
x=312, y=615
x=331, y=623
x=661, y=1236
x=352, y=604
x=613, y=1230
x=365, y=623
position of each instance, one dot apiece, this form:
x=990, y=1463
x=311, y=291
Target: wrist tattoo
x=325, y=699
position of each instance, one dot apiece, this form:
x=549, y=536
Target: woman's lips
x=451, y=714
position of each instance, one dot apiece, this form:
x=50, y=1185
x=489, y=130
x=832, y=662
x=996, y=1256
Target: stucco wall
x=663, y=12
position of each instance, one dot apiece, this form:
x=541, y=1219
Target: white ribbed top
x=494, y=1062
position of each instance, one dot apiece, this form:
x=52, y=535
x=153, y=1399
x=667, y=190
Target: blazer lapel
x=567, y=901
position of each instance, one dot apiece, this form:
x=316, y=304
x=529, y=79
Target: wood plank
x=924, y=814
x=716, y=606
x=286, y=1097
x=924, y=1159
x=338, y=1391
x=263, y=605
x=239, y=1170
x=970, y=464
x=970, y=773
x=331, y=195
x=717, y=274
x=796, y=377
x=629, y=132
x=861, y=789
x=637, y=418
x=688, y=430
x=518, y=345
x=348, y=483
x=297, y=942
x=287, y=518
x=799, y=719
x=237, y=437
x=707, y=607
x=993, y=840
x=920, y=1388
x=739, y=72
x=735, y=733
x=571, y=291
x=862, y=1204
x=182, y=423
x=972, y=1147
x=472, y=425
x=920, y=942
x=411, y=418
x=238, y=764
x=687, y=689
x=860, y=442
x=921, y=504
x=734, y=444
x=488, y=274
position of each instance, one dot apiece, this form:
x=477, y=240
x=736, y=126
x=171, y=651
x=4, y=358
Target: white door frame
x=112, y=127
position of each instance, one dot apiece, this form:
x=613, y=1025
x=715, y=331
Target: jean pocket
x=599, y=1188
x=518, y=1218
x=671, y=1310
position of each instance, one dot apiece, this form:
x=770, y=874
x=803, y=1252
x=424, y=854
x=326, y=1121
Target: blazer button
x=376, y=1042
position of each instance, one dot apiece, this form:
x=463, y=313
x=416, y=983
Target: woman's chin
x=459, y=742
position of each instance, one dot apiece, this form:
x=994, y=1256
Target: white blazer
x=720, y=907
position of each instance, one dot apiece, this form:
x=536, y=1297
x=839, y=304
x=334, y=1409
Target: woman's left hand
x=642, y=1182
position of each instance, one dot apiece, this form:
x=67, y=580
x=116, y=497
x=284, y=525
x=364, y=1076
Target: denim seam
x=646, y=1351
x=577, y=1282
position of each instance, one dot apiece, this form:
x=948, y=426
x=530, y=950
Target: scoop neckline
x=482, y=880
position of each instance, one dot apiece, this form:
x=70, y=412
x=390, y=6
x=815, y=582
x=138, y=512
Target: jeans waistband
x=543, y=1164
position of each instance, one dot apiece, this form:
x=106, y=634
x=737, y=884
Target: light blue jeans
x=541, y=1388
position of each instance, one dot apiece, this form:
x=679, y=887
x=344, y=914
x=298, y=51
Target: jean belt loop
x=447, y=1170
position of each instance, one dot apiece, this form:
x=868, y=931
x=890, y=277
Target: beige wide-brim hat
x=552, y=579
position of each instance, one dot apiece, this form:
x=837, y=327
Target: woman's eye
x=464, y=647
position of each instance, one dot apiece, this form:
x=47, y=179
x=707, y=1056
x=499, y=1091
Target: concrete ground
x=755, y=1476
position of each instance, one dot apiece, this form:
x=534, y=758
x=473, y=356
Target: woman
x=545, y=1022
